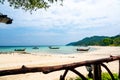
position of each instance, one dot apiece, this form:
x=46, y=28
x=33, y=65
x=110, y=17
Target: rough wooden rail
x=47, y=69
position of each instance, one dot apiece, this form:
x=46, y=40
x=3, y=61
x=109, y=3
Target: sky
x=60, y=25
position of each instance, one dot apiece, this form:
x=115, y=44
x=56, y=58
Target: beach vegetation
x=105, y=76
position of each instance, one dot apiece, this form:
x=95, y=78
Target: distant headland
x=98, y=41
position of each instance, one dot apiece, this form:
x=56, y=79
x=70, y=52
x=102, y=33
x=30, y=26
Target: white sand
x=15, y=60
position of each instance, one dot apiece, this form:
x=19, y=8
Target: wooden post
x=62, y=77
x=96, y=72
x=103, y=65
x=119, y=70
x=79, y=74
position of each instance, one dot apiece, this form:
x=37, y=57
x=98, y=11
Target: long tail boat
x=19, y=49
x=81, y=49
x=50, y=47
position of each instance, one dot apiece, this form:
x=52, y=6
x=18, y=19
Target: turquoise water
x=43, y=49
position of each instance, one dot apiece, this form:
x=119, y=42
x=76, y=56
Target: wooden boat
x=81, y=49
x=35, y=48
x=50, y=47
x=19, y=49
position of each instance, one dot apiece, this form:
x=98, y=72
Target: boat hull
x=19, y=49
x=83, y=49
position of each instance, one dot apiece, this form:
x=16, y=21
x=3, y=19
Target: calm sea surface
x=44, y=49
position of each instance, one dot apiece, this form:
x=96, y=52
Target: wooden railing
x=94, y=65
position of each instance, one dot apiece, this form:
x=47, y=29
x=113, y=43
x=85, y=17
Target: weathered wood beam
x=79, y=74
x=62, y=77
x=96, y=72
x=82, y=63
x=119, y=70
x=108, y=71
x=47, y=69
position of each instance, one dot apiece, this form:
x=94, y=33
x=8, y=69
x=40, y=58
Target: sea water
x=43, y=49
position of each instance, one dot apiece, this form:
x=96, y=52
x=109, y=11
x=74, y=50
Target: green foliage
x=107, y=42
x=95, y=40
x=116, y=41
x=81, y=79
x=105, y=76
x=29, y=4
x=98, y=40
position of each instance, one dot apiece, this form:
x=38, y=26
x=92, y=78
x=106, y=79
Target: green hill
x=98, y=40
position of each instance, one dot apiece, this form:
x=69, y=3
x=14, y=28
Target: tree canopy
x=27, y=5
x=30, y=5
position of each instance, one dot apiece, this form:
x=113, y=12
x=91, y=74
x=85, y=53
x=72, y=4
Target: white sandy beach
x=15, y=60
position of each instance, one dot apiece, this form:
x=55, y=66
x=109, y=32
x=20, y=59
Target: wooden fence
x=94, y=65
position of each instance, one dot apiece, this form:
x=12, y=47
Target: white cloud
x=74, y=18
x=72, y=12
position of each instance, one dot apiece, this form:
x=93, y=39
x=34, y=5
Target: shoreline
x=16, y=60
